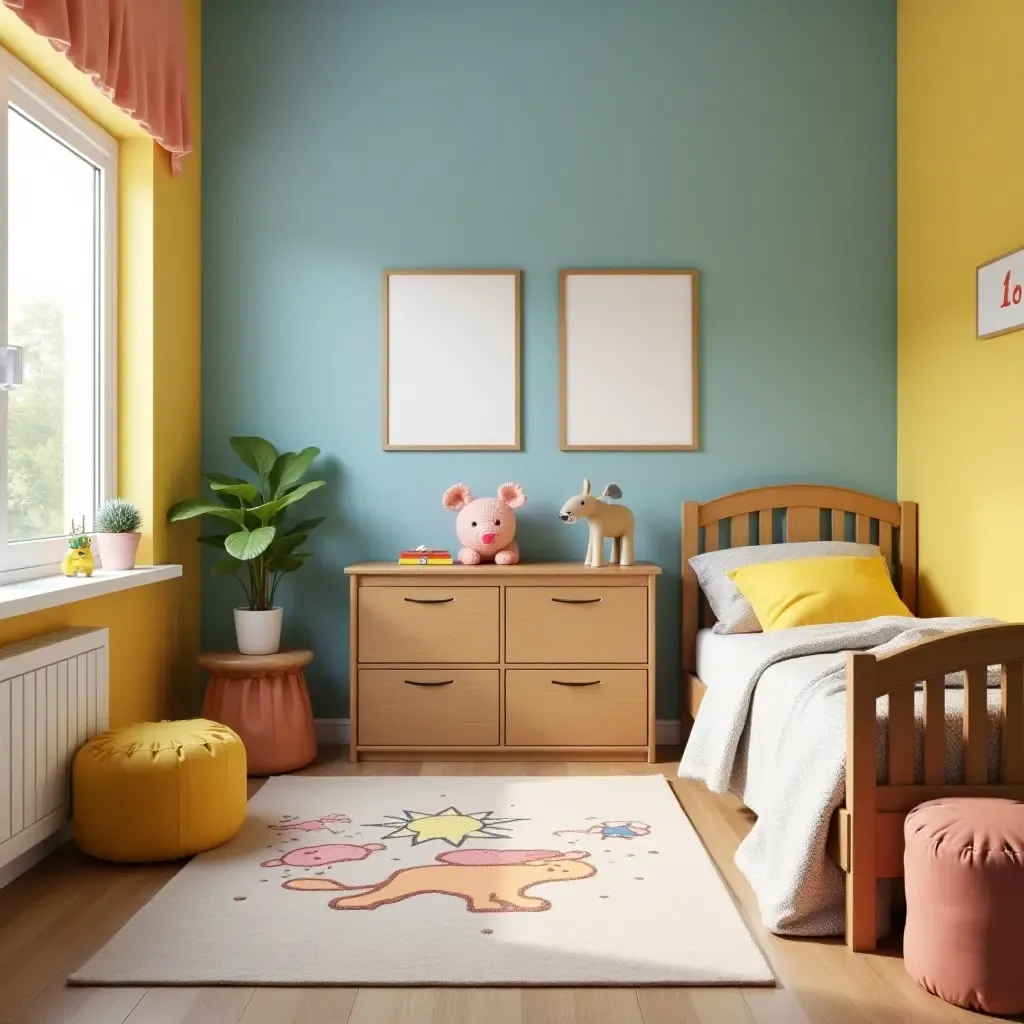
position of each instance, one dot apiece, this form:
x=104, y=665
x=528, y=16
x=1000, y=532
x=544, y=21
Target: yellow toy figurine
x=78, y=561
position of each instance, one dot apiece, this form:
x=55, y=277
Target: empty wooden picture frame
x=451, y=360
x=628, y=360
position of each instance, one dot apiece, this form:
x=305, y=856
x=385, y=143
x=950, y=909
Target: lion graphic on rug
x=490, y=881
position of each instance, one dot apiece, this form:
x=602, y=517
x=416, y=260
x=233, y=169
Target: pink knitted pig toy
x=486, y=527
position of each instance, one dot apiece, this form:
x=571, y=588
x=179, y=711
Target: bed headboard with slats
x=793, y=512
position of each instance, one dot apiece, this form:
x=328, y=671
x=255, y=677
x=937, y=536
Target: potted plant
x=117, y=533
x=261, y=547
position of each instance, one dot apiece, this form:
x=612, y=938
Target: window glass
x=54, y=294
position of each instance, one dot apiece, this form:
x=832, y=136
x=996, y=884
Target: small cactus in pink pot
x=118, y=522
x=486, y=527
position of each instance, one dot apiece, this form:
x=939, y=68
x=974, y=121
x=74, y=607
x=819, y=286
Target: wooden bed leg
x=691, y=602
x=861, y=739
x=861, y=922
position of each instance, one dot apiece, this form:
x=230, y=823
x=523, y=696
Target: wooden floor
x=55, y=916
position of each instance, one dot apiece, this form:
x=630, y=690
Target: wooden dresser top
x=489, y=569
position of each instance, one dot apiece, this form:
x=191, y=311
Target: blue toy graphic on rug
x=450, y=826
x=612, y=830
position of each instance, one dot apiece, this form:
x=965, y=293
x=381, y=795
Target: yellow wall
x=154, y=630
x=144, y=627
x=960, y=202
x=177, y=384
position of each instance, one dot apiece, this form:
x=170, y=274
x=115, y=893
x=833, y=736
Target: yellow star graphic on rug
x=450, y=826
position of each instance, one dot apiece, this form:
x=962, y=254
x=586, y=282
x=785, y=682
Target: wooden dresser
x=538, y=661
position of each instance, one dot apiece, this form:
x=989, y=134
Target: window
x=58, y=173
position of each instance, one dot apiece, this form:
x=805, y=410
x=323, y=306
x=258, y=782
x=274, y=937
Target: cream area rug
x=445, y=881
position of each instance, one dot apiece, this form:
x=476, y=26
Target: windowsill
x=54, y=591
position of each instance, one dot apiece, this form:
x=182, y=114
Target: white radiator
x=53, y=697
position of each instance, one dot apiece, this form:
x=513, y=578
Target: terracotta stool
x=263, y=697
x=964, y=866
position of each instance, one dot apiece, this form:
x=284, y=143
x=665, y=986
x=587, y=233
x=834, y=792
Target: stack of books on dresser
x=425, y=556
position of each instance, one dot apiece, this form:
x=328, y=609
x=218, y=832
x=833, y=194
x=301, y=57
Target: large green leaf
x=222, y=478
x=243, y=490
x=249, y=544
x=268, y=510
x=215, y=540
x=227, y=568
x=304, y=527
x=283, y=543
x=286, y=564
x=289, y=469
x=219, y=480
x=259, y=455
x=273, y=481
x=289, y=563
x=192, y=507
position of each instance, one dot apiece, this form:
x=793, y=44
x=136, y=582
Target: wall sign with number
x=1001, y=295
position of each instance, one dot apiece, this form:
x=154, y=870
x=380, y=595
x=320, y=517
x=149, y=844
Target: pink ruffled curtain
x=135, y=51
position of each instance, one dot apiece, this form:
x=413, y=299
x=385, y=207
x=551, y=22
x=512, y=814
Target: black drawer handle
x=429, y=682
x=428, y=600
x=577, y=600
x=576, y=682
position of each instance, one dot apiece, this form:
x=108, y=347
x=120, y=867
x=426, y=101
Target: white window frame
x=40, y=103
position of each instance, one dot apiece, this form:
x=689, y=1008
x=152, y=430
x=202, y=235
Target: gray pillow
x=731, y=608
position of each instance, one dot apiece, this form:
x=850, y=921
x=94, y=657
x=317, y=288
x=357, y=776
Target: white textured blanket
x=799, y=888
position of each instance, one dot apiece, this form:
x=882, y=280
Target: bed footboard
x=867, y=834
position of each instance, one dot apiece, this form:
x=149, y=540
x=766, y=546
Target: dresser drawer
x=428, y=707
x=576, y=624
x=570, y=708
x=428, y=624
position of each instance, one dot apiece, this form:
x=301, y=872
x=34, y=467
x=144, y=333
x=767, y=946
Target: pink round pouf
x=964, y=867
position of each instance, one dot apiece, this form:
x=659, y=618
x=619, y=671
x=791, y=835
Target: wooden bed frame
x=866, y=835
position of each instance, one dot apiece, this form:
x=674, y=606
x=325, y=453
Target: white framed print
x=628, y=348
x=1000, y=294
x=451, y=360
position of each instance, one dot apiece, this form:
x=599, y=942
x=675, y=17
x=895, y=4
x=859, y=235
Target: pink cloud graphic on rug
x=612, y=830
x=325, y=853
x=489, y=881
x=315, y=825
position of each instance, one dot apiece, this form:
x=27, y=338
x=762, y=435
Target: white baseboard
x=31, y=857
x=668, y=732
x=333, y=732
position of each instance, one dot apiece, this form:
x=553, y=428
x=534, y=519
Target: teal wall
x=752, y=140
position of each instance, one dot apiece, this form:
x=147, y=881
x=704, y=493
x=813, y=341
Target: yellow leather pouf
x=159, y=790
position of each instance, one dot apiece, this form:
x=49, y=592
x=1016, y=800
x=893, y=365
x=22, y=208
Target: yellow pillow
x=814, y=591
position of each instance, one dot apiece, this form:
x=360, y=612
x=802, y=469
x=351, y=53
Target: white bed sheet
x=754, y=770
x=773, y=733
x=770, y=707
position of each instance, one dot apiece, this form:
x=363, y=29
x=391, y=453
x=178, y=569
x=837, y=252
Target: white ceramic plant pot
x=118, y=550
x=258, y=632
